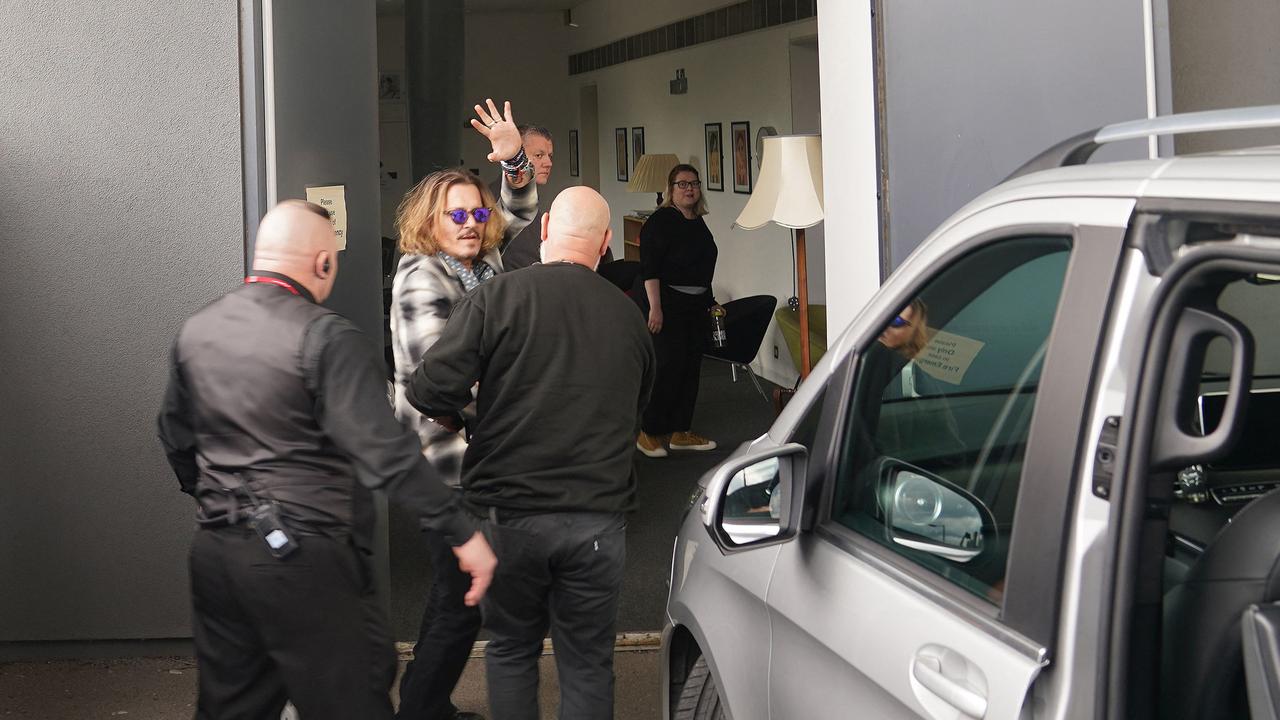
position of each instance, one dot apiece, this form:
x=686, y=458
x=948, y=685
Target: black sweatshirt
x=565, y=365
x=676, y=250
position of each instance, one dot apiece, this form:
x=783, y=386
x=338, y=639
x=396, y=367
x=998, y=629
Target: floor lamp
x=789, y=193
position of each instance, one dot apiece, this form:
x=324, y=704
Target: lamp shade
x=789, y=191
x=651, y=173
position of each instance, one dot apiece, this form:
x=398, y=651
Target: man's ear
x=608, y=237
x=546, y=221
x=324, y=265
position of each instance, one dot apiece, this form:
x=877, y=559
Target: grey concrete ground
x=165, y=688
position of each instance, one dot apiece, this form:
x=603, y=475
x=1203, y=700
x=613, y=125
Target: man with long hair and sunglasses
x=450, y=228
x=563, y=364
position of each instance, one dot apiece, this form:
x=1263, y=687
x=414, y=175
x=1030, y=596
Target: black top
x=676, y=250
x=565, y=365
x=267, y=387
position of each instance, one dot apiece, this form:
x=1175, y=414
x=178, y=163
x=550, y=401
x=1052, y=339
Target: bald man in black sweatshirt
x=564, y=365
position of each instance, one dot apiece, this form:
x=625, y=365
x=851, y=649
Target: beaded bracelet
x=515, y=165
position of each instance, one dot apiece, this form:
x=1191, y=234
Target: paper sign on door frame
x=334, y=199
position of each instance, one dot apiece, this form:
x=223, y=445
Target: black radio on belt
x=265, y=518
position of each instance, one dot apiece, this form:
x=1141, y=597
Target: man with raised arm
x=564, y=364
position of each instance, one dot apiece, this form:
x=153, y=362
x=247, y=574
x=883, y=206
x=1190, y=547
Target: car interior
x=1212, y=517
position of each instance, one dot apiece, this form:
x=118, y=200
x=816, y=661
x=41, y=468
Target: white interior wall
x=745, y=77
x=603, y=21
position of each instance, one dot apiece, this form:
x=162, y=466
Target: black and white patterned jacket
x=422, y=296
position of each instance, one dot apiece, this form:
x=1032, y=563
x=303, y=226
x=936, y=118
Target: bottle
x=718, y=335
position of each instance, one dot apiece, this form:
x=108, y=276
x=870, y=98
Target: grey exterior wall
x=973, y=90
x=1225, y=55
x=120, y=214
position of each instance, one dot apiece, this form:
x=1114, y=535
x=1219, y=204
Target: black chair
x=622, y=273
x=1203, y=674
x=746, y=322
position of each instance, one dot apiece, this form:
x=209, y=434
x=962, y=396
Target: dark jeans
x=686, y=330
x=307, y=629
x=448, y=632
x=563, y=571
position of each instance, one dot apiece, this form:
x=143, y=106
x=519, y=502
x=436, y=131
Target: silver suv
x=1031, y=479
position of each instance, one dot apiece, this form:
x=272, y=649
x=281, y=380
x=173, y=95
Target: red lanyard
x=274, y=281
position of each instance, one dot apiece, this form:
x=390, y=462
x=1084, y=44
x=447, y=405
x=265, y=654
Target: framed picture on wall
x=740, y=136
x=390, y=88
x=637, y=145
x=713, y=134
x=620, y=149
x=573, y=154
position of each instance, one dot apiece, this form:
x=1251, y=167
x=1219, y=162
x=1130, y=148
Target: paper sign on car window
x=948, y=356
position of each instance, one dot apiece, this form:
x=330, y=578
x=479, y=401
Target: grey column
x=434, y=49
x=324, y=112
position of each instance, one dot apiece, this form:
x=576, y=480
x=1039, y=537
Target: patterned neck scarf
x=471, y=277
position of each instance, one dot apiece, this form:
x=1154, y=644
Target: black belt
x=231, y=516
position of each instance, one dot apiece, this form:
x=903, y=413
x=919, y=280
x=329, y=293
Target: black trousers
x=562, y=571
x=445, y=639
x=307, y=629
x=686, y=330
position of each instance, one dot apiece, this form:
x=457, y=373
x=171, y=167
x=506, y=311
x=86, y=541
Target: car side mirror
x=754, y=500
x=928, y=513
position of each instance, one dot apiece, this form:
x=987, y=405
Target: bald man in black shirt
x=276, y=422
x=564, y=364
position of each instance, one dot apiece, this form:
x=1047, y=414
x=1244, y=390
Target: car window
x=931, y=454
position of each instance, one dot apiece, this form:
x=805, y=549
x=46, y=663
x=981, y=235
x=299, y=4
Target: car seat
x=1202, y=670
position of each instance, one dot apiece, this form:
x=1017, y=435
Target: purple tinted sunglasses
x=899, y=322
x=459, y=216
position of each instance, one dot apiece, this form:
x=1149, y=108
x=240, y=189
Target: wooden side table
x=631, y=225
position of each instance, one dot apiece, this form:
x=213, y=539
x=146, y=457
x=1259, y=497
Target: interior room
x=701, y=83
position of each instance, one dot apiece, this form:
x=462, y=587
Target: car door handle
x=927, y=670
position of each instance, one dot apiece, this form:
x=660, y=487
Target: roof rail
x=1077, y=149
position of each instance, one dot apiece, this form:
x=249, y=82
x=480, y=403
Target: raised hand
x=500, y=129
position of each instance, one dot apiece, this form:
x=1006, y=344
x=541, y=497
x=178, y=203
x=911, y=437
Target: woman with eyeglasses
x=677, y=262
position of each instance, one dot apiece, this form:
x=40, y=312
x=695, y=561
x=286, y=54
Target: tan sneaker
x=690, y=441
x=650, y=445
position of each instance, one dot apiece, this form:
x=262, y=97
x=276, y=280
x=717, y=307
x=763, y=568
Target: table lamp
x=650, y=175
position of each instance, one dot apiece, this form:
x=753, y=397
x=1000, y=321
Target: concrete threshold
x=625, y=642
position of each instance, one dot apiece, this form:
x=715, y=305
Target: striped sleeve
x=519, y=206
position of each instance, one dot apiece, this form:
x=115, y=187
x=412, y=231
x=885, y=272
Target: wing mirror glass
x=930, y=514
x=751, y=501
x=752, y=508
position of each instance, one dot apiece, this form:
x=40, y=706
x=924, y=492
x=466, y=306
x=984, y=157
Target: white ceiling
x=396, y=6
